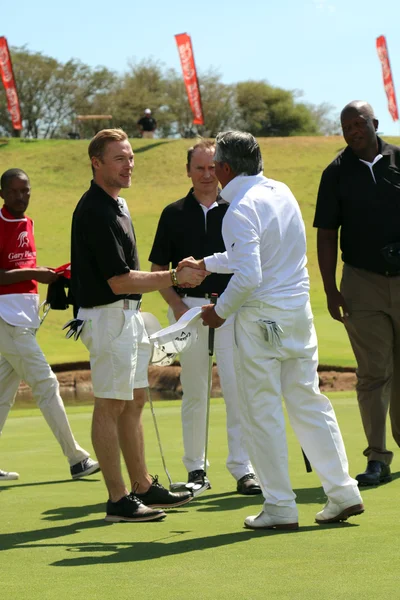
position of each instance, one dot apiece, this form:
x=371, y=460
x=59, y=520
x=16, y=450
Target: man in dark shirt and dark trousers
x=360, y=194
x=192, y=227
x=107, y=286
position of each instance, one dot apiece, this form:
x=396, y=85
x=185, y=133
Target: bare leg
x=105, y=441
x=130, y=429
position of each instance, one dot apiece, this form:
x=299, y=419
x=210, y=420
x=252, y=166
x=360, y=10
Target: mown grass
x=55, y=544
x=60, y=173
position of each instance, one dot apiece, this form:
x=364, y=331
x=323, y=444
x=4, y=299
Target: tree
x=268, y=111
x=50, y=93
x=327, y=124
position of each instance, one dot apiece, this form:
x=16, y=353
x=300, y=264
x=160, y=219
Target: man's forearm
x=140, y=282
x=327, y=248
x=16, y=276
x=169, y=294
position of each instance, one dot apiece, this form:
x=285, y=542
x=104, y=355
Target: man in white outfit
x=265, y=239
x=192, y=226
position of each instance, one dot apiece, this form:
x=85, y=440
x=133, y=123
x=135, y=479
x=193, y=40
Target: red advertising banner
x=7, y=75
x=190, y=76
x=387, y=76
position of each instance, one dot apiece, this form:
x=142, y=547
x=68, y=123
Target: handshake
x=191, y=272
x=197, y=268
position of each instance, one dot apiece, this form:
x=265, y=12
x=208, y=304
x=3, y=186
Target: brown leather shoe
x=248, y=485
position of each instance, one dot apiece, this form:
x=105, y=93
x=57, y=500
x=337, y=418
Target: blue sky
x=326, y=48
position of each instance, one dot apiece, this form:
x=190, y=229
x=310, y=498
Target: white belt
x=126, y=304
x=206, y=296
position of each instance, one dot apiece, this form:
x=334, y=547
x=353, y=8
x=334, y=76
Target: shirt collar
x=240, y=182
x=9, y=217
x=383, y=148
x=192, y=197
x=101, y=193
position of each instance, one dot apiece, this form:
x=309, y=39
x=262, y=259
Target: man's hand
x=190, y=277
x=337, y=306
x=45, y=275
x=210, y=317
x=191, y=262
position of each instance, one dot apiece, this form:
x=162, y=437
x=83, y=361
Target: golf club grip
x=211, y=330
x=306, y=462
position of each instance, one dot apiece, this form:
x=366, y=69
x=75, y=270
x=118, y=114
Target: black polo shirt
x=184, y=231
x=147, y=123
x=367, y=211
x=103, y=245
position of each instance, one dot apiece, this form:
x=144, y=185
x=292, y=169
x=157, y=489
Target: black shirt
x=147, y=123
x=367, y=211
x=184, y=231
x=103, y=245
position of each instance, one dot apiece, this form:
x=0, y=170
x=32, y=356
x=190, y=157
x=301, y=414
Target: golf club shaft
x=158, y=434
x=46, y=308
x=211, y=335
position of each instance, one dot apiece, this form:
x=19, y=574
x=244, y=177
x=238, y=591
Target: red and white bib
x=17, y=250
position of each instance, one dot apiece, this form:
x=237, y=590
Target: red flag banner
x=7, y=76
x=387, y=76
x=190, y=76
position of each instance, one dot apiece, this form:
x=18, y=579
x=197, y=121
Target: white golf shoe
x=334, y=513
x=8, y=476
x=266, y=521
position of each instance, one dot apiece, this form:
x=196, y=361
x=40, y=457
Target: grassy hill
x=60, y=173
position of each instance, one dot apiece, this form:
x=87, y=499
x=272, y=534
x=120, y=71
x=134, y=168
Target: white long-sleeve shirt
x=265, y=243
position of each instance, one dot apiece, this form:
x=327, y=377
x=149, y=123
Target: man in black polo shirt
x=147, y=125
x=360, y=194
x=192, y=227
x=107, y=286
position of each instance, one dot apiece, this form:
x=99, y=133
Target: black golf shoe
x=248, y=485
x=130, y=509
x=199, y=482
x=376, y=472
x=157, y=496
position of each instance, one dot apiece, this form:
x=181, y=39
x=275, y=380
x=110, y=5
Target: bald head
x=359, y=127
x=359, y=106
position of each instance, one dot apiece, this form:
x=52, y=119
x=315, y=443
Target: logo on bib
x=23, y=239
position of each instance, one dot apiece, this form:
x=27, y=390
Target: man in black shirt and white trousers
x=192, y=227
x=107, y=286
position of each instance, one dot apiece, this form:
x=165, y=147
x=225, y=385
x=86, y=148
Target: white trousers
x=21, y=358
x=194, y=379
x=269, y=371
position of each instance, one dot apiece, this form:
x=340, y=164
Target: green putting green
x=55, y=545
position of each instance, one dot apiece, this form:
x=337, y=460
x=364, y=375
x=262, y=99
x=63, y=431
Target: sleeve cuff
x=210, y=264
x=220, y=312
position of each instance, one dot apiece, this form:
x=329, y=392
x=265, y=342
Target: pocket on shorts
x=114, y=321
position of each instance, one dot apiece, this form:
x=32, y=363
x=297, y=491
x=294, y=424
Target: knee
x=139, y=399
x=45, y=389
x=108, y=408
x=371, y=381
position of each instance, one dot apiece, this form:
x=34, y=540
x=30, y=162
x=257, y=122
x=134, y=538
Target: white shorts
x=119, y=350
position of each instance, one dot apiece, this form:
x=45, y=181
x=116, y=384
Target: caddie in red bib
x=20, y=354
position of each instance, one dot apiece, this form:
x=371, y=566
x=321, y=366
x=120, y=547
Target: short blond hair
x=102, y=138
